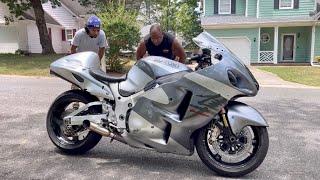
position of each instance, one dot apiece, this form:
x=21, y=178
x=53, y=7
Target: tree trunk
x=42, y=27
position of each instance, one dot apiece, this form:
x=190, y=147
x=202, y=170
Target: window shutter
x=63, y=35
x=296, y=4
x=216, y=6
x=74, y=32
x=276, y=4
x=233, y=6
x=49, y=32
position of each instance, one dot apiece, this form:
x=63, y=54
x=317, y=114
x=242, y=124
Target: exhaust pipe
x=98, y=129
x=102, y=131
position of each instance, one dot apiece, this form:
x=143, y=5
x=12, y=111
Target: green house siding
x=317, y=42
x=250, y=33
x=267, y=9
x=209, y=7
x=240, y=7
x=268, y=46
x=252, y=8
x=303, y=42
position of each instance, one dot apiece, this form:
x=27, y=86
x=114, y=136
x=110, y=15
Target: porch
x=286, y=45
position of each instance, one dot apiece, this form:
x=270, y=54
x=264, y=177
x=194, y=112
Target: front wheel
x=232, y=156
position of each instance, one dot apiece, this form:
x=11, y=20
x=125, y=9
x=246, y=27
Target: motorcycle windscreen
x=239, y=75
x=205, y=40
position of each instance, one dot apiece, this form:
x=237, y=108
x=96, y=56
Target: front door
x=288, y=47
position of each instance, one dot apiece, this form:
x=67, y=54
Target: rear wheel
x=232, y=156
x=71, y=139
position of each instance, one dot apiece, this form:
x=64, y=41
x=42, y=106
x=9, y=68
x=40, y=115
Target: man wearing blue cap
x=90, y=38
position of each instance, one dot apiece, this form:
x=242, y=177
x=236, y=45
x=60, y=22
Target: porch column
x=313, y=33
x=259, y=35
x=246, y=13
x=275, y=45
x=258, y=8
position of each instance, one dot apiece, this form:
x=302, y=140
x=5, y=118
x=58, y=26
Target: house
x=62, y=23
x=266, y=31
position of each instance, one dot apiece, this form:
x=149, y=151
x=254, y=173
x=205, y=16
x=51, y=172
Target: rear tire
x=55, y=123
x=234, y=169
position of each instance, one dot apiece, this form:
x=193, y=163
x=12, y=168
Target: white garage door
x=239, y=46
x=9, y=39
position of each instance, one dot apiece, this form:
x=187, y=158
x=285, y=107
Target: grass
x=299, y=74
x=37, y=64
x=33, y=65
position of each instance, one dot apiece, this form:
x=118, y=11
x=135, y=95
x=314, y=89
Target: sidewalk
x=267, y=79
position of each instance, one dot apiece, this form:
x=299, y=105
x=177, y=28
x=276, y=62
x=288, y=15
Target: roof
x=76, y=7
x=30, y=16
x=242, y=20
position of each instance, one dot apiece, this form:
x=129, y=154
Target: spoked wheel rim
x=235, y=150
x=68, y=135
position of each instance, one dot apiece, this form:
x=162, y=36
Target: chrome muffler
x=102, y=131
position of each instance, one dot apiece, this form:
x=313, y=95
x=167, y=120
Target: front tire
x=67, y=138
x=220, y=163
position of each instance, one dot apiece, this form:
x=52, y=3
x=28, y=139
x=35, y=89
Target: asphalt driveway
x=27, y=153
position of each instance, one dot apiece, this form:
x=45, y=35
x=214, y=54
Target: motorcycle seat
x=104, y=77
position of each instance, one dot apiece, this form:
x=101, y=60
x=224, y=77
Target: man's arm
x=178, y=51
x=102, y=44
x=101, y=52
x=75, y=43
x=141, y=51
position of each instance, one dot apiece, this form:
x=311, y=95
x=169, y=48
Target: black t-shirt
x=164, y=49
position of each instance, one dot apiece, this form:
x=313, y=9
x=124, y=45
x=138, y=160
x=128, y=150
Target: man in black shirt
x=159, y=43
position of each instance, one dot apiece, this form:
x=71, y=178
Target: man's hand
x=73, y=49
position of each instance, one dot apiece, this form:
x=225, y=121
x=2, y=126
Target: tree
x=187, y=21
x=17, y=7
x=122, y=31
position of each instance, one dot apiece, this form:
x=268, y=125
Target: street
x=26, y=151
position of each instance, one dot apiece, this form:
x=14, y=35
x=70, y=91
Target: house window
x=224, y=6
x=69, y=34
x=286, y=4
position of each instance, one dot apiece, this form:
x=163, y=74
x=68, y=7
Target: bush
x=122, y=32
x=22, y=52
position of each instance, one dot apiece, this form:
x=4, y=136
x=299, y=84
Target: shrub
x=122, y=32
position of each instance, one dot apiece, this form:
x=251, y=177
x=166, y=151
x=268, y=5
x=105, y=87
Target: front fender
x=241, y=115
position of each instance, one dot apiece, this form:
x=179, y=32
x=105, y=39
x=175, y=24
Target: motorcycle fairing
x=167, y=116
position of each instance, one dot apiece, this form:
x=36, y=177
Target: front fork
x=229, y=140
x=224, y=118
x=226, y=128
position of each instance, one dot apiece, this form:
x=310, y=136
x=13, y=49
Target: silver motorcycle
x=165, y=106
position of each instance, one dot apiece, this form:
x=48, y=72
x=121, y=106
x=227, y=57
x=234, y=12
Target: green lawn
x=33, y=65
x=36, y=64
x=300, y=74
